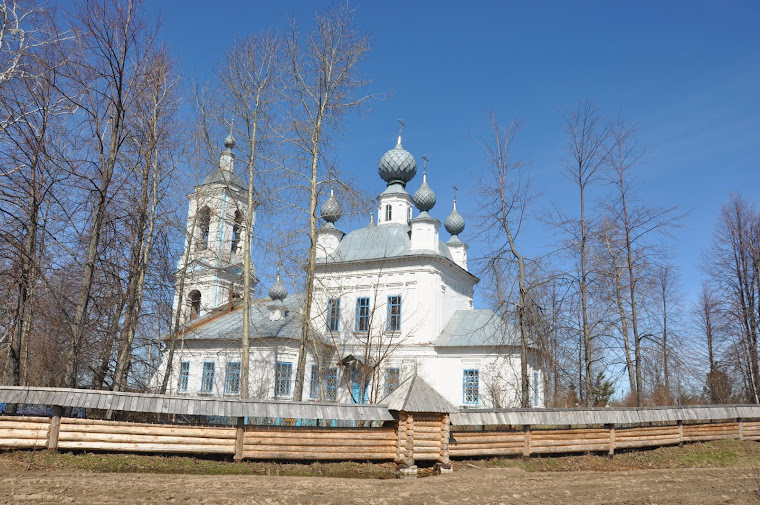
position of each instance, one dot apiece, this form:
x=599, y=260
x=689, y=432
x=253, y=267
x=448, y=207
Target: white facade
x=390, y=300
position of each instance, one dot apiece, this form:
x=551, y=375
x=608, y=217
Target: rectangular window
x=282, y=378
x=535, y=389
x=392, y=380
x=314, y=386
x=394, y=313
x=470, y=387
x=333, y=314
x=207, y=379
x=232, y=380
x=184, y=376
x=362, y=314
x=331, y=384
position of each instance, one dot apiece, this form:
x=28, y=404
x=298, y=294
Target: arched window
x=388, y=212
x=204, y=222
x=195, y=304
x=236, y=227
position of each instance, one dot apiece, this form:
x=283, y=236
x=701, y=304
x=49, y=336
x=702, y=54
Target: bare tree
x=154, y=128
x=505, y=196
x=637, y=223
x=322, y=86
x=733, y=263
x=107, y=65
x=587, y=153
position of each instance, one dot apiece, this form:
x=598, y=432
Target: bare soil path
x=467, y=485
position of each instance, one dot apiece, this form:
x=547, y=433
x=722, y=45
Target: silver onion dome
x=397, y=165
x=455, y=222
x=331, y=210
x=278, y=290
x=229, y=142
x=424, y=198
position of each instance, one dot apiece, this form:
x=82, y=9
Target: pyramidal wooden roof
x=416, y=395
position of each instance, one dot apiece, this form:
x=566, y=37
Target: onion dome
x=455, y=222
x=331, y=210
x=397, y=165
x=278, y=291
x=229, y=142
x=424, y=198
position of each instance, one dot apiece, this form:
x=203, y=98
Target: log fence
x=380, y=433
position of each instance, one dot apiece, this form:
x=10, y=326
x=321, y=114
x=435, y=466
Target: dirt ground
x=466, y=485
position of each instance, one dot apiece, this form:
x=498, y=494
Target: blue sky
x=687, y=73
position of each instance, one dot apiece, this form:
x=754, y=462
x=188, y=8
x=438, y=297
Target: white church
x=390, y=300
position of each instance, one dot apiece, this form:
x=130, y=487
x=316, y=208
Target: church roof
x=382, y=241
x=416, y=395
x=225, y=177
x=477, y=328
x=230, y=325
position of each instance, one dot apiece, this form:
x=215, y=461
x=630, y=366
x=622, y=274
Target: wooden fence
x=400, y=436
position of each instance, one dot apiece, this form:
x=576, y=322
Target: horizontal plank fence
x=321, y=444
x=355, y=432
x=529, y=442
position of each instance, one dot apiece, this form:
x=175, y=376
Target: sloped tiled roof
x=478, y=328
x=230, y=325
x=416, y=395
x=386, y=240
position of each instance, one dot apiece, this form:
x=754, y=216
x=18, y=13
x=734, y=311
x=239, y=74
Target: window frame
x=232, y=376
x=393, y=316
x=283, y=379
x=184, y=377
x=391, y=383
x=333, y=315
x=331, y=384
x=470, y=386
x=362, y=320
x=207, y=377
x=388, y=212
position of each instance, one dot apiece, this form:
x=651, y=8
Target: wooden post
x=401, y=439
x=445, y=433
x=526, y=448
x=741, y=428
x=680, y=433
x=409, y=440
x=239, y=438
x=55, y=428
x=612, y=439
x=406, y=468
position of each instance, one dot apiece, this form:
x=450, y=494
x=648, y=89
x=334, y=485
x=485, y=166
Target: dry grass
x=717, y=454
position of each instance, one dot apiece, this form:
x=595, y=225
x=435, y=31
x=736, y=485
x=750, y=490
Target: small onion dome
x=455, y=222
x=229, y=142
x=424, y=198
x=278, y=290
x=331, y=210
x=397, y=165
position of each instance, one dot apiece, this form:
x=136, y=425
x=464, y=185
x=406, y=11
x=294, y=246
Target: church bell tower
x=214, y=242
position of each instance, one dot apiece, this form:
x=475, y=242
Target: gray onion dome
x=278, y=291
x=229, y=142
x=424, y=198
x=331, y=210
x=397, y=165
x=455, y=222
